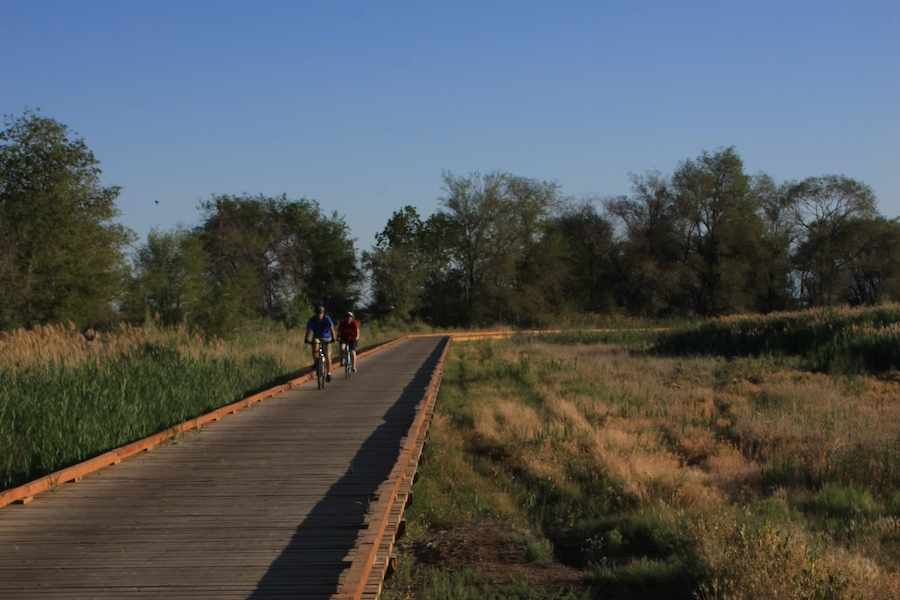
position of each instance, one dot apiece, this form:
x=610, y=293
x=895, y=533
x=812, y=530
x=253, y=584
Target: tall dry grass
x=63, y=346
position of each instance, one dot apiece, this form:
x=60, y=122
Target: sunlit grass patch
x=844, y=512
x=538, y=549
x=507, y=420
x=456, y=486
x=754, y=555
x=663, y=578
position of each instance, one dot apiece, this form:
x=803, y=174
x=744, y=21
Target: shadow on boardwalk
x=310, y=566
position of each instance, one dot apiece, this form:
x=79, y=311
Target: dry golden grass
x=61, y=345
x=506, y=420
x=708, y=436
x=784, y=561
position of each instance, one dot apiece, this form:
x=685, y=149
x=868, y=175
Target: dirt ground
x=496, y=550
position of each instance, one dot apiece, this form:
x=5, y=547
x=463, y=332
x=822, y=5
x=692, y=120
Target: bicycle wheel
x=347, y=364
x=320, y=372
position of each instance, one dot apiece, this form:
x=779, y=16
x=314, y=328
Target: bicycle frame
x=348, y=360
x=320, y=361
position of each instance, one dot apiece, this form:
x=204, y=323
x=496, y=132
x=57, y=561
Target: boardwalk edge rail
x=372, y=561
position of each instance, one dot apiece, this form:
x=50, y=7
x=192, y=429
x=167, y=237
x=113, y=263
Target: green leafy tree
x=771, y=277
x=720, y=228
x=496, y=226
x=538, y=270
x=586, y=268
x=474, y=207
x=61, y=254
x=271, y=257
x=334, y=278
x=168, y=277
x=441, y=302
x=239, y=236
x=398, y=265
x=648, y=256
x=875, y=276
x=7, y=275
x=831, y=214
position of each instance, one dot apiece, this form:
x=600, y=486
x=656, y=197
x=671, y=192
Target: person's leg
x=327, y=359
x=315, y=352
x=341, y=351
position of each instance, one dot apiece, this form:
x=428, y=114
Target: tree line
x=707, y=240
x=64, y=258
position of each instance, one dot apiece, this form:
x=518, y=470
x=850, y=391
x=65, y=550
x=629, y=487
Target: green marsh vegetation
x=669, y=470
x=837, y=340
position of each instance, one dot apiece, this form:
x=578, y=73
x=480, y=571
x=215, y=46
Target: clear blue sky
x=362, y=105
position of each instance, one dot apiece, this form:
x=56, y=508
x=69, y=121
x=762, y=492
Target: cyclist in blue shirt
x=321, y=328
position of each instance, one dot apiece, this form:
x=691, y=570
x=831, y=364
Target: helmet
x=320, y=309
x=349, y=314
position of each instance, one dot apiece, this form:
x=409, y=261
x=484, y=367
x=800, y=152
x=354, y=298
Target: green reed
x=836, y=340
x=54, y=415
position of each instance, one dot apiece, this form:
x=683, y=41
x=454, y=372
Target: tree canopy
x=61, y=252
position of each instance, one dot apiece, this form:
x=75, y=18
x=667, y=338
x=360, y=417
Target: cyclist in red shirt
x=348, y=334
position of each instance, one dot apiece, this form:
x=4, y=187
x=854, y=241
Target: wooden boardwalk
x=267, y=503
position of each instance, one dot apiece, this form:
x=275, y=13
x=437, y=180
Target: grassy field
x=64, y=399
x=705, y=462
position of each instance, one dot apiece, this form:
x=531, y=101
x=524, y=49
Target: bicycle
x=348, y=360
x=320, y=361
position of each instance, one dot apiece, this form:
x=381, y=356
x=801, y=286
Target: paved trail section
x=266, y=503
